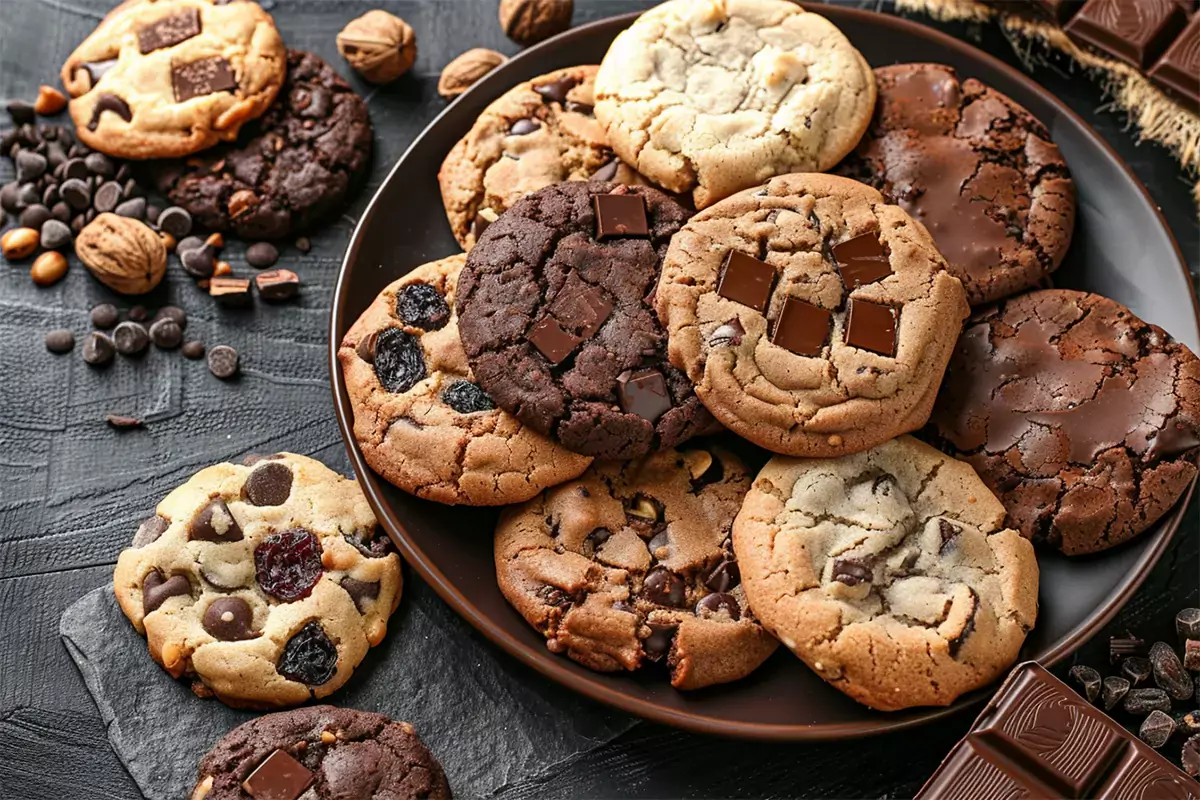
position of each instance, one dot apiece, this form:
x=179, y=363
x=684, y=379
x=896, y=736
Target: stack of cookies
x=734, y=223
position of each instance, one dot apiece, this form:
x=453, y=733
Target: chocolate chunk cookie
x=814, y=318
x=632, y=564
x=555, y=308
x=889, y=572
x=420, y=419
x=293, y=168
x=977, y=169
x=265, y=584
x=166, y=78
x=321, y=753
x=537, y=133
x=1083, y=419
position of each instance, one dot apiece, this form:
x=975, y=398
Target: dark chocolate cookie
x=295, y=166
x=1083, y=419
x=977, y=169
x=325, y=751
x=556, y=312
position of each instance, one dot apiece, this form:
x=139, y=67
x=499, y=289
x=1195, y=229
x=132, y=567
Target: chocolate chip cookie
x=889, y=572
x=290, y=170
x=265, y=583
x=537, y=133
x=632, y=564
x=1083, y=419
x=320, y=753
x=977, y=169
x=420, y=419
x=814, y=318
x=166, y=78
x=555, y=308
x=714, y=96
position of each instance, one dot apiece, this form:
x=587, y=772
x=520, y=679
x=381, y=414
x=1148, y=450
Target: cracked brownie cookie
x=1083, y=419
x=555, y=308
x=978, y=170
x=714, y=96
x=888, y=572
x=632, y=564
x=538, y=133
x=264, y=583
x=165, y=78
x=335, y=752
x=814, y=318
x=296, y=166
x=419, y=418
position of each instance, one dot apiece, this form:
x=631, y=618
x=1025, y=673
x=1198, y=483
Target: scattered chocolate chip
x=166, y=334
x=658, y=643
x=1113, y=690
x=34, y=216
x=177, y=222
x=193, y=350
x=268, y=485
x=556, y=91
x=422, y=306
x=157, y=589
x=189, y=243
x=75, y=169
x=1136, y=669
x=98, y=349
x=152, y=212
x=524, y=127
x=851, y=571
x=56, y=235
x=123, y=421
x=21, y=112
x=644, y=393
x=466, y=397
x=1087, y=679
x=1168, y=671
x=262, y=255
x=139, y=313
x=1142, y=701
x=150, y=529
x=746, y=280
x=76, y=193
x=277, y=284
x=134, y=208
x=399, y=360
x=100, y=165
x=60, y=340
x=215, y=523
x=106, y=197
x=30, y=165
x=1187, y=624
x=619, y=215
x=223, y=361
x=360, y=592
x=199, y=262
x=595, y=540
x=366, y=347
x=131, y=338
x=173, y=313
x=712, y=605
x=1156, y=729
x=665, y=588
x=62, y=213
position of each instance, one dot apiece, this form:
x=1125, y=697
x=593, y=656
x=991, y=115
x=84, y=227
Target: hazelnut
x=462, y=73
x=698, y=462
x=242, y=202
x=48, y=268
x=19, y=243
x=644, y=507
x=123, y=253
x=380, y=46
x=168, y=241
x=49, y=101
x=527, y=22
x=327, y=737
x=222, y=268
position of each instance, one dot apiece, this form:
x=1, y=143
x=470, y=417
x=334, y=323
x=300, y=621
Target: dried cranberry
x=308, y=657
x=466, y=398
x=399, y=360
x=371, y=543
x=288, y=564
x=421, y=306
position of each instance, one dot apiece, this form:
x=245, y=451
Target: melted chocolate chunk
x=156, y=589
x=215, y=523
x=851, y=571
x=658, y=643
x=665, y=588
x=718, y=603
x=556, y=91
x=109, y=102
x=149, y=531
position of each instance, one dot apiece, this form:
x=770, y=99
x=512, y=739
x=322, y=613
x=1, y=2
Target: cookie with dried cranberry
x=264, y=583
x=632, y=565
x=420, y=419
x=335, y=752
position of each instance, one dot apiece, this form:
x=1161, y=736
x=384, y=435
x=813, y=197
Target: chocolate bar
x=1038, y=738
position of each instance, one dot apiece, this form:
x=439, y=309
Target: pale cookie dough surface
x=632, y=564
x=889, y=572
x=166, y=78
x=539, y=132
x=441, y=438
x=265, y=584
x=714, y=96
x=844, y=399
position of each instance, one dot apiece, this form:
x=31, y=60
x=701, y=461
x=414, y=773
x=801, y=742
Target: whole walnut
x=123, y=253
x=380, y=46
x=527, y=22
x=462, y=73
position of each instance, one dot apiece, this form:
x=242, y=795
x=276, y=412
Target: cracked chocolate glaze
x=1083, y=419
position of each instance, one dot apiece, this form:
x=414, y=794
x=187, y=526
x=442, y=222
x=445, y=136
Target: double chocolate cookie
x=977, y=169
x=632, y=564
x=1083, y=419
x=295, y=167
x=321, y=753
x=264, y=583
x=555, y=310
x=420, y=419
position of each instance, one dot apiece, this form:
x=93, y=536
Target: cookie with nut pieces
x=264, y=584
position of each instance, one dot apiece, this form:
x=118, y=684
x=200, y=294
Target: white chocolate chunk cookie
x=632, y=564
x=890, y=572
x=264, y=583
x=420, y=419
x=714, y=96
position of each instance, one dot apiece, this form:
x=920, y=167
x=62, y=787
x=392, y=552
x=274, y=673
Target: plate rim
x=594, y=687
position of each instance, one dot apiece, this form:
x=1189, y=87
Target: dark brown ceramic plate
x=1122, y=249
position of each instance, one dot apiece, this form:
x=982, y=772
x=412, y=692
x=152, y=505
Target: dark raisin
x=288, y=564
x=664, y=588
x=467, y=398
x=399, y=360
x=1187, y=623
x=1168, y=671
x=372, y=544
x=1087, y=679
x=421, y=306
x=308, y=657
x=1189, y=723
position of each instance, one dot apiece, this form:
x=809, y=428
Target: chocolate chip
x=556, y=91
x=215, y=523
x=422, y=306
x=50, y=195
x=173, y=313
x=76, y=193
x=76, y=169
x=177, y=222
x=28, y=194
x=100, y=165
x=277, y=284
x=108, y=102
x=658, y=643
x=373, y=543
x=664, y=588
x=872, y=327
x=169, y=30
x=399, y=360
x=201, y=77
x=152, y=212
x=223, y=361
x=1142, y=701
x=60, y=340
x=660, y=545
x=948, y=532
x=268, y=485
x=131, y=338
x=619, y=215
x=607, y=172
x=98, y=349
x=1087, y=679
x=106, y=197
x=193, y=350
x=56, y=235
x=34, y=216
x=360, y=591
x=190, y=243
x=595, y=540
x=746, y=280
x=156, y=590
x=279, y=776
x=61, y=212
x=712, y=605
x=1112, y=691
x=1168, y=671
x=262, y=255
x=851, y=571
x=523, y=127
x=466, y=397
x=8, y=197
x=366, y=347
x=150, y=529
x=166, y=334
x=21, y=111
x=134, y=208
x=724, y=576
x=31, y=165
x=199, y=262
x=1156, y=729
x=229, y=619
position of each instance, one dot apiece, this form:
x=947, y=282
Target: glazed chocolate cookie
x=977, y=169
x=632, y=564
x=1083, y=419
x=814, y=318
x=555, y=309
x=320, y=753
x=293, y=168
x=264, y=583
x=537, y=133
x=165, y=78
x=889, y=572
x=420, y=419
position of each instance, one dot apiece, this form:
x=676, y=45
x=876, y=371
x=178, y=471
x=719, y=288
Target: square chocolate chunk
x=862, y=260
x=1178, y=71
x=201, y=77
x=169, y=31
x=278, y=777
x=620, y=215
x=802, y=328
x=746, y=280
x=644, y=392
x=1134, y=31
x=872, y=327
x=551, y=340
x=583, y=310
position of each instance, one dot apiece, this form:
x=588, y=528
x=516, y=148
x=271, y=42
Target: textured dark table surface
x=72, y=489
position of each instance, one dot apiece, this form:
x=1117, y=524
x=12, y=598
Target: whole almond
x=48, y=268
x=19, y=243
x=49, y=101
x=461, y=73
